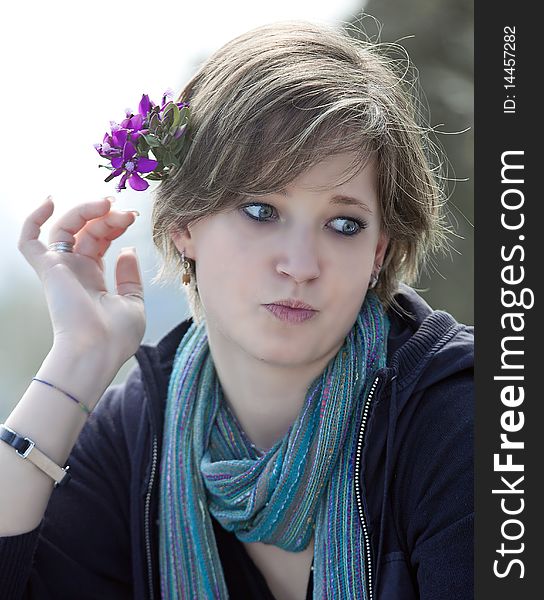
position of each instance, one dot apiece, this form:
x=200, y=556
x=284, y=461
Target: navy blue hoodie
x=413, y=478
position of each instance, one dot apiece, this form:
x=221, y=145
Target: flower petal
x=146, y=165
x=180, y=131
x=117, y=162
x=128, y=151
x=145, y=105
x=167, y=94
x=121, y=184
x=119, y=137
x=137, y=183
x=136, y=122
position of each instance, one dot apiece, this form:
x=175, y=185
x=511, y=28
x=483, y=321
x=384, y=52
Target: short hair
x=279, y=99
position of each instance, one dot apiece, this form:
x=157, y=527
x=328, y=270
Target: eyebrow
x=343, y=200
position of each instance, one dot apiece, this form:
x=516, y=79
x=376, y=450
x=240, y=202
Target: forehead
x=338, y=175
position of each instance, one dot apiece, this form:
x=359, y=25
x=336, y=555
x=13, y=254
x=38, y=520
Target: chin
x=283, y=352
x=282, y=359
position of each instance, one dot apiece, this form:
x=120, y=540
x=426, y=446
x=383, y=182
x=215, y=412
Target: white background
x=68, y=68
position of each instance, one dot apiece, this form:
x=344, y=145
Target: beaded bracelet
x=81, y=405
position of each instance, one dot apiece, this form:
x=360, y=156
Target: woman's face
x=304, y=244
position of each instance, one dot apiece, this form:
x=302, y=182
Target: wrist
x=82, y=373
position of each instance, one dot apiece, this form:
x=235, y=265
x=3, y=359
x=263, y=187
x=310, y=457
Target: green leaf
x=184, y=113
x=177, y=116
x=182, y=147
x=168, y=117
x=154, y=122
x=169, y=159
x=175, y=131
x=151, y=140
x=158, y=152
x=176, y=148
x=142, y=146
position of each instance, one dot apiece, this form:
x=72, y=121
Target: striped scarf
x=301, y=487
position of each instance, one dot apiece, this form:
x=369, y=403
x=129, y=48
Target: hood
x=426, y=345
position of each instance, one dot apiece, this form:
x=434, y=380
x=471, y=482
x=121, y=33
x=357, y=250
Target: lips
x=293, y=303
x=291, y=311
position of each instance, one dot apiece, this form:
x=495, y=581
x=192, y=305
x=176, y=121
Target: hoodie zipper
x=358, y=494
x=147, y=524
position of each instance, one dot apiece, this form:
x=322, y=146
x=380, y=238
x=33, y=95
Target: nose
x=299, y=256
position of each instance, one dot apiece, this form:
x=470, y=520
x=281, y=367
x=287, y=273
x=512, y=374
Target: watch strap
x=26, y=448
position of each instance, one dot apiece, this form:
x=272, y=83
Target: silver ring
x=61, y=246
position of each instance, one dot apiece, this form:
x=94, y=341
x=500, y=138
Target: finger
x=95, y=238
x=94, y=248
x=128, y=279
x=75, y=219
x=29, y=244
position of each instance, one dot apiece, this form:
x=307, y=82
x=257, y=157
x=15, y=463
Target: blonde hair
x=279, y=99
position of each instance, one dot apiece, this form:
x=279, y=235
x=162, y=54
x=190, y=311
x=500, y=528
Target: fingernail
x=44, y=202
x=111, y=198
x=131, y=210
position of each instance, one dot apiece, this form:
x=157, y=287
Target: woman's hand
x=85, y=316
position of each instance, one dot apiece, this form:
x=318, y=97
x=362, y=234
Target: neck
x=265, y=398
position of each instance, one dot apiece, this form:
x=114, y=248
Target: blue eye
x=350, y=226
x=263, y=211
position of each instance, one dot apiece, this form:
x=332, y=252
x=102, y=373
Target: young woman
x=308, y=432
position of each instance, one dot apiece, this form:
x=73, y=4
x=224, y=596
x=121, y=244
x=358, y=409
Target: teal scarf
x=301, y=487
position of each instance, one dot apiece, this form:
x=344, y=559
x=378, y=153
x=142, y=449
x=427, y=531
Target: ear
x=183, y=241
x=381, y=248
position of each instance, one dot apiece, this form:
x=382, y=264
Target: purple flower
x=129, y=165
x=153, y=128
x=145, y=105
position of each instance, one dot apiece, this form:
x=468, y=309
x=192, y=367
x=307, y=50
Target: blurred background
x=69, y=68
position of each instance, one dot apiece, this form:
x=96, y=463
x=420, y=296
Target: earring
x=374, y=277
x=186, y=277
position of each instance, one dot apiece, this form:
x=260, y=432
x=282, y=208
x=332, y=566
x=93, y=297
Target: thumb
x=128, y=279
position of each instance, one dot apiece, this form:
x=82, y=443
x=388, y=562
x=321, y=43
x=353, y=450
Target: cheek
x=226, y=269
x=348, y=291
x=348, y=294
x=352, y=266
x=349, y=279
